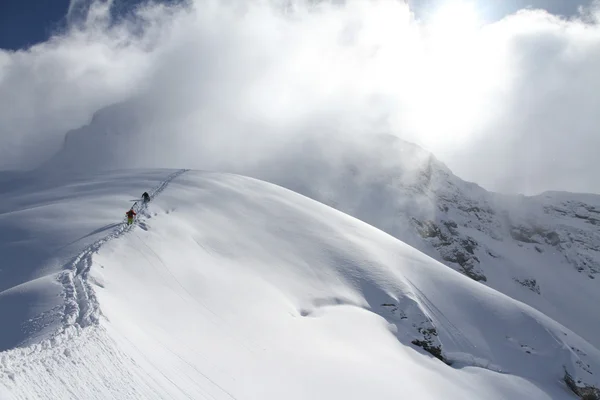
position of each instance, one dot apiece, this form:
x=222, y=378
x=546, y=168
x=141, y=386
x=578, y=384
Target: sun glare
x=455, y=17
x=455, y=77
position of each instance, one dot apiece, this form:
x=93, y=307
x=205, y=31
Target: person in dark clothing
x=146, y=197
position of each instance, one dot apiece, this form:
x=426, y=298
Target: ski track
x=81, y=305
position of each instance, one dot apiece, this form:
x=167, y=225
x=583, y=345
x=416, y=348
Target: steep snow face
x=232, y=288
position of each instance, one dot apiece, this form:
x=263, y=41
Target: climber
x=146, y=197
x=130, y=215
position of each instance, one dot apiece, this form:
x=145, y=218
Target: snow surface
x=232, y=288
x=541, y=250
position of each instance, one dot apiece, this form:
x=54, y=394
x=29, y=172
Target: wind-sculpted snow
x=232, y=288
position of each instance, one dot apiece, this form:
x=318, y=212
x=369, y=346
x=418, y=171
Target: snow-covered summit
x=536, y=249
x=232, y=288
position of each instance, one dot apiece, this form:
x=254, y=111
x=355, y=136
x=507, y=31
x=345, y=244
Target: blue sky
x=26, y=22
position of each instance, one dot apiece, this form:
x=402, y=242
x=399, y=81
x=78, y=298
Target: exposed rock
x=430, y=343
x=530, y=284
x=474, y=273
x=394, y=309
x=552, y=238
x=428, y=229
x=492, y=254
x=522, y=234
x=452, y=247
x=585, y=392
x=451, y=226
x=435, y=351
x=469, y=245
x=414, y=325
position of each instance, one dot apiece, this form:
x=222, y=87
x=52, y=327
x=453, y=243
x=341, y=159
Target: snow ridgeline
x=542, y=250
x=81, y=306
x=57, y=328
x=229, y=287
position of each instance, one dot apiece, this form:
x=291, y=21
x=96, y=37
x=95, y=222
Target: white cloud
x=512, y=105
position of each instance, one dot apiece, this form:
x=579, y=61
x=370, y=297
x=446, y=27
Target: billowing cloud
x=511, y=105
x=542, y=132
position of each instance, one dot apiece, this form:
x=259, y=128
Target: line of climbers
x=131, y=213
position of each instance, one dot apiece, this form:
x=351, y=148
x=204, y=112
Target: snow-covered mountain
x=240, y=256
x=232, y=288
x=540, y=250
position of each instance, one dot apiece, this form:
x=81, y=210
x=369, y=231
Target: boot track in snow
x=81, y=305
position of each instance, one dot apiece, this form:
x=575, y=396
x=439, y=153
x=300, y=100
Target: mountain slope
x=229, y=287
x=538, y=250
x=542, y=250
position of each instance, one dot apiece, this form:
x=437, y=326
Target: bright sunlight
x=455, y=18
x=454, y=79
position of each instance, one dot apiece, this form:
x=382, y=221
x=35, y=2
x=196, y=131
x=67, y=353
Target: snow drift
x=229, y=287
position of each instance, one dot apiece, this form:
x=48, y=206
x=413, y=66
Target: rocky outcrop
x=579, y=247
x=534, y=234
x=584, y=392
x=453, y=248
x=530, y=284
x=428, y=344
x=413, y=324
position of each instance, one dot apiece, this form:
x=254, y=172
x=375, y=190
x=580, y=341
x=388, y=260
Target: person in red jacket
x=130, y=215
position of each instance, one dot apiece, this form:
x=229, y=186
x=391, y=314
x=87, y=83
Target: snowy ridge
x=528, y=248
x=81, y=305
